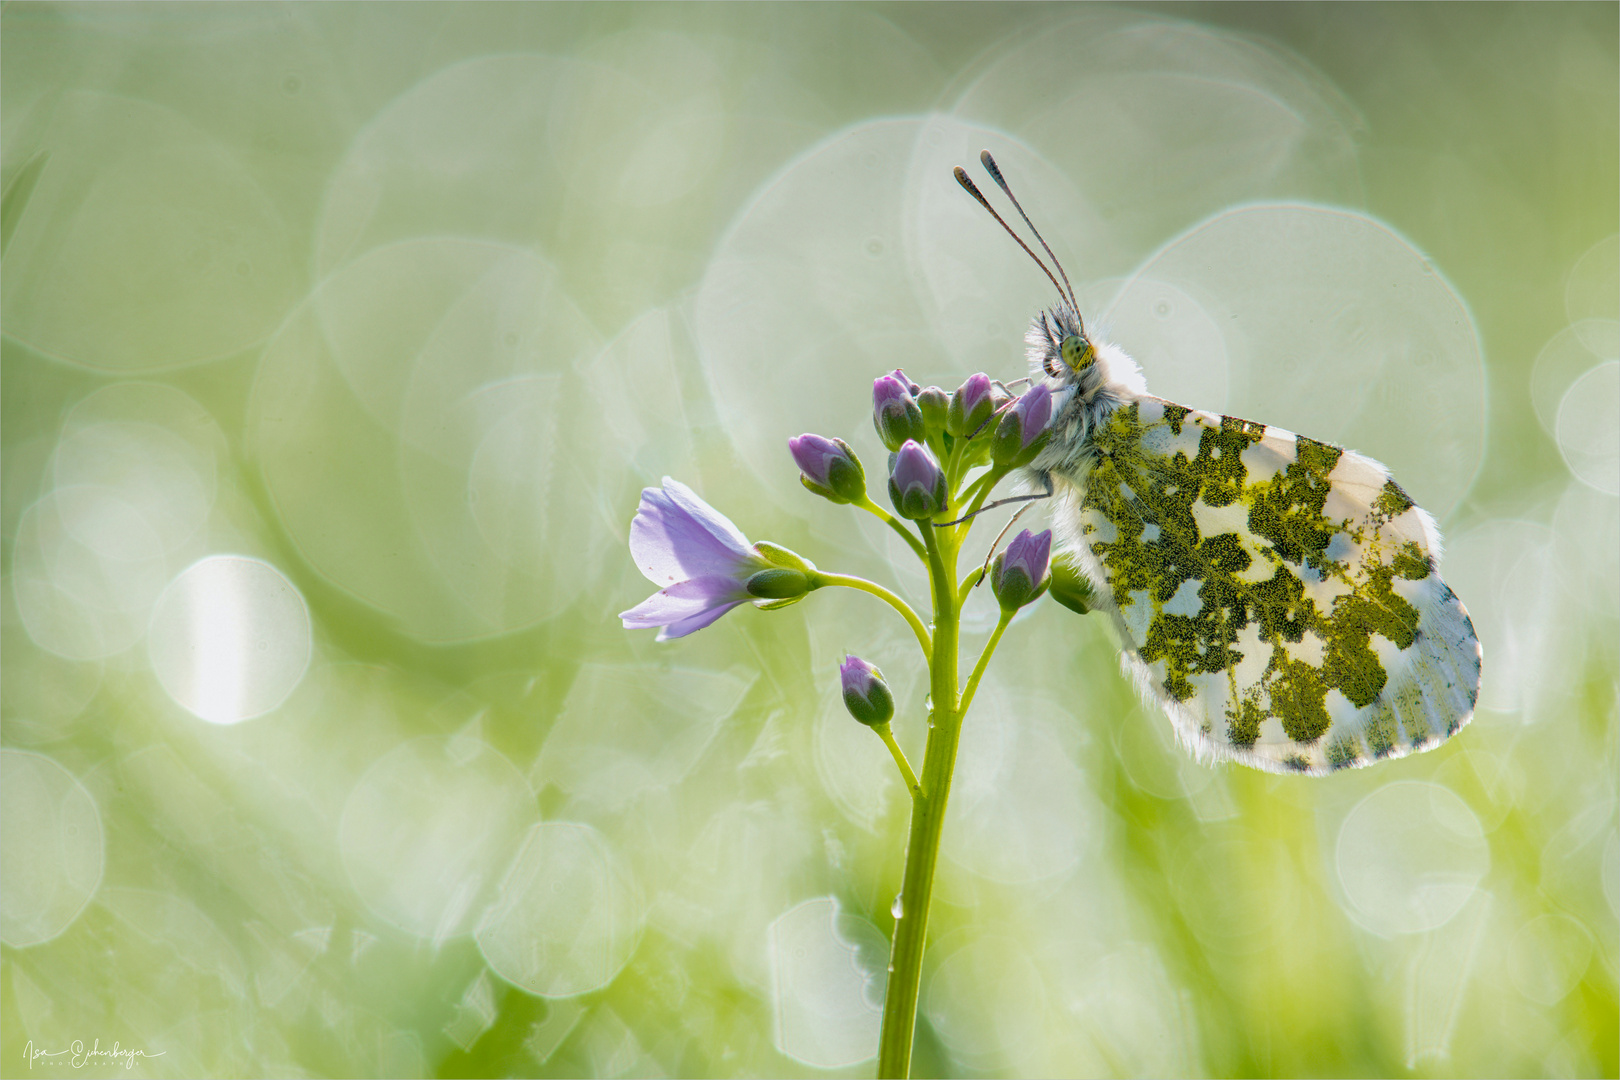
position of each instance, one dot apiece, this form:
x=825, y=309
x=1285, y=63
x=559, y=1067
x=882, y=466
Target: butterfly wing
x=1280, y=597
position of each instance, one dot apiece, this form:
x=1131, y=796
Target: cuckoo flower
x=707, y=566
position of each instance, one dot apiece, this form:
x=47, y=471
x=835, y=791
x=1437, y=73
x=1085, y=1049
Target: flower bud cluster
x=939, y=444
x=923, y=426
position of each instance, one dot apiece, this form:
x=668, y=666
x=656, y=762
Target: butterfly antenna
x=994, y=170
x=962, y=178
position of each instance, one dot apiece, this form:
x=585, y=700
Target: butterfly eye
x=1078, y=352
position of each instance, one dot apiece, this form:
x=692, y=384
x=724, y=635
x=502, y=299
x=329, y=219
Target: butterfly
x=1279, y=597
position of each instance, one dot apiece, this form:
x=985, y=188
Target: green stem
x=953, y=467
x=894, y=523
x=980, y=485
x=970, y=499
x=928, y=803
x=984, y=659
x=984, y=485
x=899, y=758
x=850, y=581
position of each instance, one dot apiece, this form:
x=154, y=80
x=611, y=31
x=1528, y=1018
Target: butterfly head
x=1060, y=346
x=1061, y=349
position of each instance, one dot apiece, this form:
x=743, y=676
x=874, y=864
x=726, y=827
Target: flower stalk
x=928, y=804
x=940, y=446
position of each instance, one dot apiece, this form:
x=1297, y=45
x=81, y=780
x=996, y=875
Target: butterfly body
x=1278, y=596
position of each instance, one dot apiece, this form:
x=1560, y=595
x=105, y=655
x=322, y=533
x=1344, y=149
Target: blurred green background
x=339, y=340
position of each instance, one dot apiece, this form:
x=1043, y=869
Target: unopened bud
x=829, y=468
x=866, y=695
x=1070, y=587
x=916, y=483
x=934, y=403
x=895, y=412
x=970, y=406
x=1020, y=573
x=1022, y=430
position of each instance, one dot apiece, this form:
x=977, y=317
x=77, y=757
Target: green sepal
x=775, y=605
x=777, y=555
x=848, y=478
x=963, y=424
x=918, y=505
x=1015, y=589
x=1006, y=446
x=816, y=489
x=893, y=431
x=875, y=709
x=778, y=583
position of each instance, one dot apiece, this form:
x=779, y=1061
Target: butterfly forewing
x=1278, y=595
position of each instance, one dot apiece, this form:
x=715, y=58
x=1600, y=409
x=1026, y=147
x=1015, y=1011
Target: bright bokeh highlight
x=229, y=638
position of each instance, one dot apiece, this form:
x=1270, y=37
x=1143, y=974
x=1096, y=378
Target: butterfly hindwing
x=1279, y=596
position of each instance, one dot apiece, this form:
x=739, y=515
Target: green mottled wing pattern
x=1279, y=596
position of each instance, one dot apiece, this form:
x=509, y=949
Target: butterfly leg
x=993, y=417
